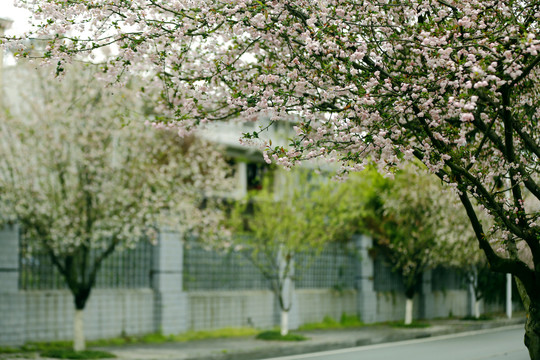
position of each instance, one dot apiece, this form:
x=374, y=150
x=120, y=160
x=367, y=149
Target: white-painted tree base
x=284, y=322
x=408, y=311
x=477, y=309
x=509, y=296
x=78, y=331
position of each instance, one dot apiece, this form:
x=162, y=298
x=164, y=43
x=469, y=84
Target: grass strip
x=71, y=354
x=346, y=321
x=275, y=335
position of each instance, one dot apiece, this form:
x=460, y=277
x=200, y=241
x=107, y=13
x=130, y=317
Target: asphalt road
x=495, y=344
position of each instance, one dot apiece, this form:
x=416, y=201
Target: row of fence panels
x=206, y=270
x=128, y=269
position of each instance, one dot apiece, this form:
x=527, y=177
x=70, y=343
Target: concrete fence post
x=12, y=302
x=366, y=296
x=170, y=306
x=9, y=259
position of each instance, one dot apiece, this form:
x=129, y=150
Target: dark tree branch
x=514, y=266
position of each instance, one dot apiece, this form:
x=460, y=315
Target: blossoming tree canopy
x=452, y=83
x=288, y=222
x=415, y=224
x=84, y=177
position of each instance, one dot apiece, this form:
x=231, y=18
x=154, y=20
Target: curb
x=394, y=337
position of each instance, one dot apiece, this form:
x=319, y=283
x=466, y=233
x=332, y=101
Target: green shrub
x=44, y=346
x=214, y=334
x=71, y=354
x=276, y=335
x=8, y=350
x=350, y=320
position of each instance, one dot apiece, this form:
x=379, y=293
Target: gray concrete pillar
x=241, y=177
x=170, y=307
x=9, y=259
x=12, y=301
x=366, y=297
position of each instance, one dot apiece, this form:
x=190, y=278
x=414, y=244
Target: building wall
x=391, y=306
x=109, y=313
x=219, y=309
x=12, y=319
x=258, y=309
x=48, y=315
x=451, y=303
x=315, y=304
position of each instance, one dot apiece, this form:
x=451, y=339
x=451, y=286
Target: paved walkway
x=248, y=348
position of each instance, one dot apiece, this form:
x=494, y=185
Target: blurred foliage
x=415, y=222
x=294, y=212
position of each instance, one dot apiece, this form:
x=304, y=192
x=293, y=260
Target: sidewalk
x=249, y=348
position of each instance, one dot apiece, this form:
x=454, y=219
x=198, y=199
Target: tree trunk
x=532, y=326
x=284, y=325
x=408, y=311
x=532, y=336
x=477, y=309
x=532, y=331
x=79, y=343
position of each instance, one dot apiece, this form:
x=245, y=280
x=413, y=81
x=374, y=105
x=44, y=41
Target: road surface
x=495, y=344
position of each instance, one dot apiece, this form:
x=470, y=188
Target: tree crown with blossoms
x=71, y=157
x=73, y=173
x=415, y=222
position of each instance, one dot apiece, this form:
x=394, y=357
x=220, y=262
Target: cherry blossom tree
x=452, y=83
x=84, y=178
x=295, y=213
x=415, y=224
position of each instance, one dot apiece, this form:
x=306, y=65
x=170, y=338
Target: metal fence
x=384, y=279
x=333, y=268
x=123, y=269
x=443, y=279
x=206, y=269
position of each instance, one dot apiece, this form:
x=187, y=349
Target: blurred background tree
x=84, y=177
x=296, y=212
